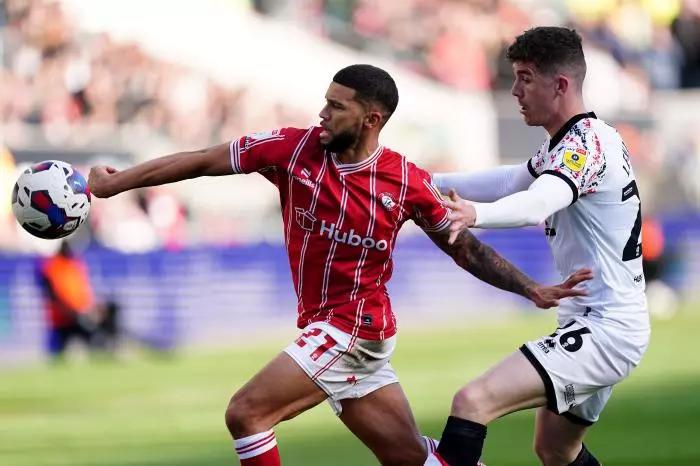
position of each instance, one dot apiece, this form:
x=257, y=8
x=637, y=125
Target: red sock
x=258, y=450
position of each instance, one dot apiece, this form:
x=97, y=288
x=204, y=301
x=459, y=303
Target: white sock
x=431, y=444
x=254, y=445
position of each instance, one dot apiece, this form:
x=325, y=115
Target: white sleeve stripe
x=235, y=156
x=433, y=190
x=441, y=225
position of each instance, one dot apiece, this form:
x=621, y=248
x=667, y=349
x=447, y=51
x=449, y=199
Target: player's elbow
x=534, y=219
x=214, y=161
x=535, y=212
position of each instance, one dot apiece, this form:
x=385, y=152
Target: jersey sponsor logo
x=388, y=201
x=305, y=181
x=305, y=219
x=575, y=159
x=351, y=238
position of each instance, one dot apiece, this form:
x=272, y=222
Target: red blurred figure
x=69, y=300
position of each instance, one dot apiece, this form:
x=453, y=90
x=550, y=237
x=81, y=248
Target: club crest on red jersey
x=388, y=201
x=304, y=218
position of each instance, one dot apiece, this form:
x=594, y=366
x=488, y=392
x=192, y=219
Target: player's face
x=341, y=118
x=536, y=93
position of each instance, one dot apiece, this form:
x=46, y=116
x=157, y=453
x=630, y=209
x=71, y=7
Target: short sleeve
x=580, y=168
x=264, y=150
x=428, y=210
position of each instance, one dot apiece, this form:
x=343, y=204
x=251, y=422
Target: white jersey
x=601, y=229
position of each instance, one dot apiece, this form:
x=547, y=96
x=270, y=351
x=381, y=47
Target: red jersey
x=340, y=223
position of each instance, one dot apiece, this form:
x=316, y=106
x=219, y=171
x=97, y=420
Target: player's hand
x=100, y=181
x=545, y=297
x=462, y=215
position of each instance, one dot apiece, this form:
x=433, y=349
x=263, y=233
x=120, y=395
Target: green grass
x=169, y=411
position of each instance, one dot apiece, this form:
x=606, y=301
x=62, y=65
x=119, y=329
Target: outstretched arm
x=487, y=265
x=547, y=195
x=215, y=161
x=486, y=185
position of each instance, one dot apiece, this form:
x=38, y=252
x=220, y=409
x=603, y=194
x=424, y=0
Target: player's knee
x=552, y=455
x=471, y=402
x=240, y=416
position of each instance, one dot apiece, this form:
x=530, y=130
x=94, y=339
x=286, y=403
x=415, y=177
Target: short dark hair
x=371, y=84
x=550, y=49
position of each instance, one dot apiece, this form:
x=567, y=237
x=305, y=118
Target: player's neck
x=359, y=152
x=561, y=117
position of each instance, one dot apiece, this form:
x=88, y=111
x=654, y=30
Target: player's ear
x=562, y=84
x=373, y=119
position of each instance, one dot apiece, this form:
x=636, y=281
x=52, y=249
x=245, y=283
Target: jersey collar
x=567, y=127
x=347, y=168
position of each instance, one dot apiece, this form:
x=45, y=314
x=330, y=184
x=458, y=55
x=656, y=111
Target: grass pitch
x=160, y=411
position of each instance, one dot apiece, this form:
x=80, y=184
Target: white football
x=51, y=199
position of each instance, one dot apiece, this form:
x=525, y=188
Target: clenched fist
x=101, y=181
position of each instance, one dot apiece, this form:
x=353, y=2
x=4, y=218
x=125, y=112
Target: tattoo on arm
x=483, y=262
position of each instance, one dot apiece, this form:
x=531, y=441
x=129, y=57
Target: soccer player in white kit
x=580, y=183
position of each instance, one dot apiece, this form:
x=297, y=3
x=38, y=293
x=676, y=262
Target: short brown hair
x=550, y=49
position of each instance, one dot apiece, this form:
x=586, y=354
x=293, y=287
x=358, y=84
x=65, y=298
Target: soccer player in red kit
x=344, y=198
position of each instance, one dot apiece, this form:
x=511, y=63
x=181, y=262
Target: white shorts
x=580, y=362
x=343, y=366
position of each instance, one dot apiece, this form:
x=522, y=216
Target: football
x=51, y=199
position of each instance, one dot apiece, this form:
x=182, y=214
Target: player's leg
x=280, y=391
x=559, y=440
x=511, y=385
x=57, y=340
x=383, y=421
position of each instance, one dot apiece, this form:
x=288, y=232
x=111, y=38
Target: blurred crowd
x=62, y=87
x=461, y=42
x=59, y=78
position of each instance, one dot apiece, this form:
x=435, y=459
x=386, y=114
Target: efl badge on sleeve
x=575, y=159
x=260, y=136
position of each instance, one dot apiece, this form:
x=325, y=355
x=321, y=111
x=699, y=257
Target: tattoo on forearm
x=483, y=262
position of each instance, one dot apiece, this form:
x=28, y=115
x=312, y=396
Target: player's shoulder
x=415, y=172
x=591, y=132
x=296, y=134
x=605, y=132
x=286, y=134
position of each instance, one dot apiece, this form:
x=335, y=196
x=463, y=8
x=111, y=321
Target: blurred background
x=199, y=267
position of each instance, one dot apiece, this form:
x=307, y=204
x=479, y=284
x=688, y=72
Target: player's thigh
x=279, y=391
x=511, y=385
x=383, y=421
x=581, y=361
x=556, y=436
